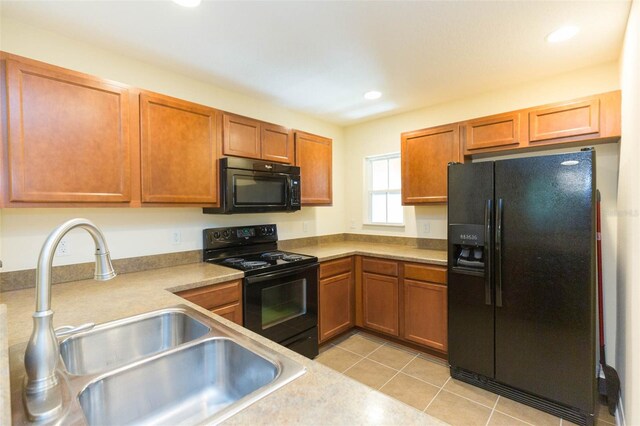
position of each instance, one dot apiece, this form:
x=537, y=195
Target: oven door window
x=283, y=302
x=260, y=190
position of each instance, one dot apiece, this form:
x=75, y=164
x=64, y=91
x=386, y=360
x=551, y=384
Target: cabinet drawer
x=434, y=274
x=378, y=266
x=231, y=312
x=335, y=267
x=213, y=296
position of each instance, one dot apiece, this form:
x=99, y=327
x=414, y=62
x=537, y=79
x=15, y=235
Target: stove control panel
x=239, y=235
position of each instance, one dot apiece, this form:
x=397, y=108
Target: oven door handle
x=255, y=279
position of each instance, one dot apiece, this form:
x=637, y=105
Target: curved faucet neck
x=45, y=260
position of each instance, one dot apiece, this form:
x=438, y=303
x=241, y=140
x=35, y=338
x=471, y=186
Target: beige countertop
x=321, y=396
x=398, y=252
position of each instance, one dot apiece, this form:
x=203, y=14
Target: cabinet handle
x=499, y=253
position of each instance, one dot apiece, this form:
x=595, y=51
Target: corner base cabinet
x=380, y=287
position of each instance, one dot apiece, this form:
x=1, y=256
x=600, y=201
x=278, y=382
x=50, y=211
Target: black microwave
x=251, y=186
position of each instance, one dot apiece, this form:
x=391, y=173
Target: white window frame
x=369, y=191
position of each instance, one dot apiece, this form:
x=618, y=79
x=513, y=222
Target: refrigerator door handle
x=498, y=243
x=488, y=213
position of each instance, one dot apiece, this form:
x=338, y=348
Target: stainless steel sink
x=195, y=383
x=173, y=366
x=117, y=343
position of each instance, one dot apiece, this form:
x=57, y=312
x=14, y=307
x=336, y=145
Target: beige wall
x=628, y=342
x=137, y=232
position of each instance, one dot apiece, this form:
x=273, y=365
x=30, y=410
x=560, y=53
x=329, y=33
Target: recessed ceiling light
x=188, y=3
x=373, y=94
x=562, y=34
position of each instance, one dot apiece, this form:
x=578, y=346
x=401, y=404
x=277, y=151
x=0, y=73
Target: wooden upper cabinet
x=425, y=155
x=594, y=119
x=246, y=137
x=499, y=130
x=178, y=151
x=68, y=136
x=277, y=143
x=314, y=157
x=564, y=120
x=241, y=136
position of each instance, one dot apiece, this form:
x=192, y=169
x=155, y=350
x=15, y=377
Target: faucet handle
x=67, y=330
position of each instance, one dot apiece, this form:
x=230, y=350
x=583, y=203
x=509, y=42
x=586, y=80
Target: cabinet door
x=277, y=143
x=336, y=305
x=314, y=157
x=425, y=155
x=241, y=136
x=68, y=136
x=425, y=314
x=570, y=119
x=491, y=132
x=178, y=149
x=380, y=303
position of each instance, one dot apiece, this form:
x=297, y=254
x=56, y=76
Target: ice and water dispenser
x=468, y=248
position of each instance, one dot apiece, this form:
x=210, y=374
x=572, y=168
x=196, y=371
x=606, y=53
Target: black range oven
x=280, y=289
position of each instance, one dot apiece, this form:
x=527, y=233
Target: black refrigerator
x=521, y=270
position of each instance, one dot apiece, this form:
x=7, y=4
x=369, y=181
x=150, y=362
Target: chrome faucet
x=42, y=394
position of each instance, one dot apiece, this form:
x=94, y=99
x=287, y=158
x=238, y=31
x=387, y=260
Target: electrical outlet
x=305, y=226
x=64, y=248
x=353, y=224
x=426, y=227
x=176, y=237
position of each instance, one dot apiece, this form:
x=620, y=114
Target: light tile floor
x=424, y=383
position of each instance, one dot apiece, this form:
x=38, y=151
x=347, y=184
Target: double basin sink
x=174, y=366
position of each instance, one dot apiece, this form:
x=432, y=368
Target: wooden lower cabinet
x=336, y=301
x=425, y=313
x=224, y=299
x=336, y=305
x=380, y=303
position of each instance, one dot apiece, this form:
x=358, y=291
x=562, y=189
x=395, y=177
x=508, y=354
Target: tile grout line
x=493, y=410
x=509, y=415
x=397, y=372
x=356, y=363
x=436, y=395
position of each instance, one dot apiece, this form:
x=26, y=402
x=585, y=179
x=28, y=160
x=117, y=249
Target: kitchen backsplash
x=17, y=280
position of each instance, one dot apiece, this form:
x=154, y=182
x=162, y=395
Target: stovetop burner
x=273, y=255
x=254, y=264
x=234, y=260
x=292, y=257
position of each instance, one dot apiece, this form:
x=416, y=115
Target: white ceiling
x=320, y=57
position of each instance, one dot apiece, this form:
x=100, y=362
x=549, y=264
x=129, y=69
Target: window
x=383, y=185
